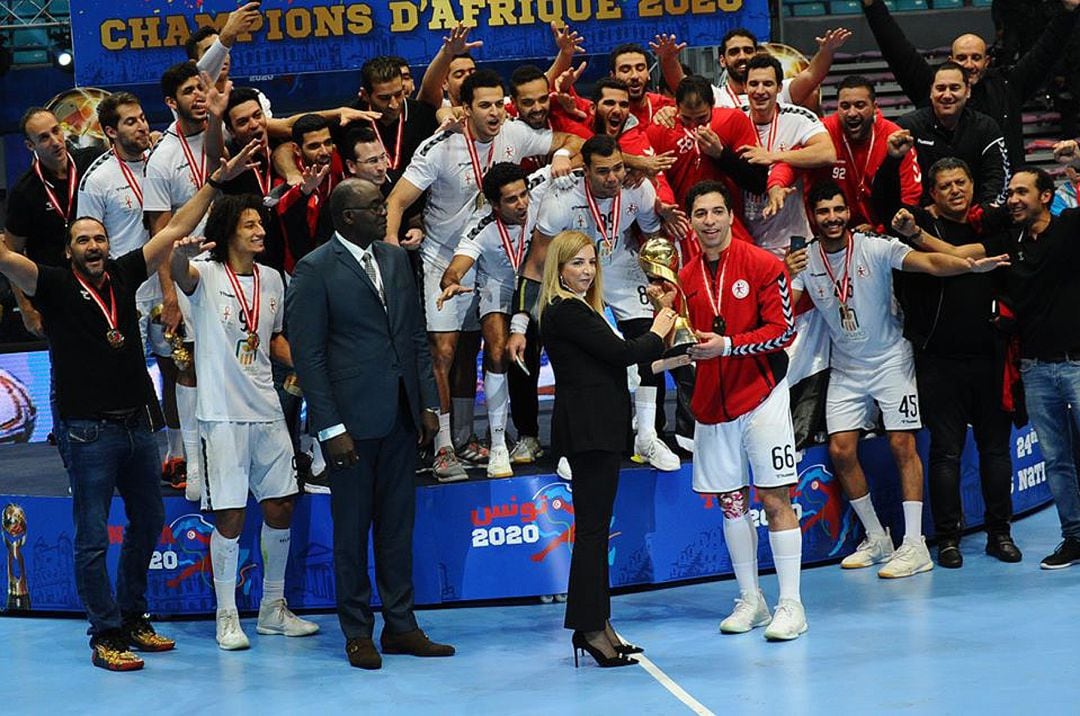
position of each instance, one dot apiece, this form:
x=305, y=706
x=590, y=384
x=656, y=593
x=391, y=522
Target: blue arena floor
x=989, y=638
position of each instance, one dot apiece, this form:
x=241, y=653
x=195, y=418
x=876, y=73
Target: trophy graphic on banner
x=14, y=528
x=659, y=259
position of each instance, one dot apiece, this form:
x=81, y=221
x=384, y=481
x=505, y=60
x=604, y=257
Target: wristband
x=727, y=346
x=217, y=184
x=564, y=152
x=519, y=323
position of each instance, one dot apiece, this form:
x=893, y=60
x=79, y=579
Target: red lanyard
x=845, y=286
x=395, y=161
x=774, y=124
x=601, y=226
x=116, y=340
x=515, y=254
x=250, y=311
x=734, y=97
x=474, y=158
x=860, y=177
x=129, y=176
x=714, y=305
x=72, y=181
x=264, y=182
x=198, y=174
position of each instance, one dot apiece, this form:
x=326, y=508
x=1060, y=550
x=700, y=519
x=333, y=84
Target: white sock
x=176, y=443
x=186, y=398
x=739, y=536
x=224, y=554
x=912, y=522
x=645, y=409
x=498, y=399
x=864, y=508
x=787, y=556
x=275, y=555
x=442, y=438
x=462, y=414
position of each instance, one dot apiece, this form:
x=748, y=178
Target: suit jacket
x=592, y=402
x=350, y=354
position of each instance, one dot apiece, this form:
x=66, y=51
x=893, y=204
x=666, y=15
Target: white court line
x=668, y=683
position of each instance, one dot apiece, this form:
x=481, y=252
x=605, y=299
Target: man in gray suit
x=360, y=351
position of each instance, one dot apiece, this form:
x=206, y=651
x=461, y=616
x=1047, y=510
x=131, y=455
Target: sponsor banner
x=134, y=41
x=489, y=539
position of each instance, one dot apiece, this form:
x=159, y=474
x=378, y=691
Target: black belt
x=127, y=418
x=1059, y=357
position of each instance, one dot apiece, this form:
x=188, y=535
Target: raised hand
x=1066, y=152
x=191, y=246
x=904, y=224
x=665, y=46
x=350, y=114
x=242, y=20
x=900, y=143
x=216, y=100
x=457, y=43
x=235, y=166
x=833, y=39
x=312, y=177
x=569, y=42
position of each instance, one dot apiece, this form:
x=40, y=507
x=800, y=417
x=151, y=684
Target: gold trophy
x=659, y=259
x=180, y=354
x=291, y=385
x=14, y=527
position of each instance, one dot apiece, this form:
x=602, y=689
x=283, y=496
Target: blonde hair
x=564, y=247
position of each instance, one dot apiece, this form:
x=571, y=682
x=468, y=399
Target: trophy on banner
x=14, y=528
x=180, y=354
x=659, y=259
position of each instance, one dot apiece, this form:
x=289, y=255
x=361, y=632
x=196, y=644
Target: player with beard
x=629, y=62
x=859, y=133
x=740, y=307
x=322, y=169
x=238, y=311
x=849, y=277
x=452, y=166
x=176, y=168
x=408, y=84
x=617, y=218
x=497, y=243
x=736, y=50
x=442, y=80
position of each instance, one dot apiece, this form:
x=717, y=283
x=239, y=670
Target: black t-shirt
x=251, y=183
x=420, y=125
x=91, y=376
x=1043, y=284
x=30, y=213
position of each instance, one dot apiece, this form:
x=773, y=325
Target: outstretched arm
x=912, y=71
x=804, y=84
x=19, y=270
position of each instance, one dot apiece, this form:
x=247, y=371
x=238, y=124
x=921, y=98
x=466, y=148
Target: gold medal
x=115, y=339
x=252, y=341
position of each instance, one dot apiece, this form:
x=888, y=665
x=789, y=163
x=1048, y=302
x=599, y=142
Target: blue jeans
x=102, y=456
x=1050, y=388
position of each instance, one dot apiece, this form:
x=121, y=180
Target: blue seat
x=910, y=5
x=808, y=9
x=845, y=7
x=947, y=4
x=982, y=3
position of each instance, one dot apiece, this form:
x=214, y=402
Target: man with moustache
x=321, y=169
x=103, y=394
x=629, y=62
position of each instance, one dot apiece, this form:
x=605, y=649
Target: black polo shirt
x=250, y=183
x=1043, y=284
x=420, y=125
x=91, y=376
x=30, y=213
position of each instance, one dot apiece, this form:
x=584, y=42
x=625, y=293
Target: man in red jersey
x=739, y=301
x=860, y=135
x=629, y=62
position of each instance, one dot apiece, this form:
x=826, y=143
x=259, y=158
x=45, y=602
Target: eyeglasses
x=376, y=209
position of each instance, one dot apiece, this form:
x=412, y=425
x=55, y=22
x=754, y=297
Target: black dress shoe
x=362, y=654
x=1002, y=547
x=948, y=555
x=413, y=642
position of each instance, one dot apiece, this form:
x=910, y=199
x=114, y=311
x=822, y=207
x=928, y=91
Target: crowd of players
x=934, y=284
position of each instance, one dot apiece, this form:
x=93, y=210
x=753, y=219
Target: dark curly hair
x=224, y=217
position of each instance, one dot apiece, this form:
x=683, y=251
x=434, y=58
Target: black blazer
x=592, y=402
x=350, y=354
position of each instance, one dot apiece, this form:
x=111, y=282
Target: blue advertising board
x=133, y=41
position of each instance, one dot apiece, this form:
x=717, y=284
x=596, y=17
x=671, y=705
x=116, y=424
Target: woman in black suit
x=591, y=424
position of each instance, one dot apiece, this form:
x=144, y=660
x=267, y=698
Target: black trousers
x=596, y=480
x=377, y=491
x=956, y=392
x=632, y=329
x=524, y=402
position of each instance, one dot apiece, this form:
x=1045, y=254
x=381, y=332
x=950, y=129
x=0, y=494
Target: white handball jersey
x=872, y=335
x=624, y=281
x=483, y=242
x=170, y=178
x=443, y=165
x=238, y=386
x=107, y=194
x=724, y=96
x=792, y=127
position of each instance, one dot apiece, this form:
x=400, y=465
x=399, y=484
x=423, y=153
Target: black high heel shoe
x=619, y=645
x=581, y=644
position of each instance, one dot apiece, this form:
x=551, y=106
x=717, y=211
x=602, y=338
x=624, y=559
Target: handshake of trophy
x=659, y=259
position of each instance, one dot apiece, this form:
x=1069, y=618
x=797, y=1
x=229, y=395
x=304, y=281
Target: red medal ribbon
x=515, y=254
x=110, y=312
x=609, y=243
x=72, y=181
x=774, y=124
x=710, y=285
x=250, y=311
x=129, y=176
x=395, y=160
x=198, y=175
x=860, y=177
x=474, y=158
x=734, y=97
x=265, y=183
x=842, y=290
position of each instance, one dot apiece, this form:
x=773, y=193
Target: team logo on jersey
x=861, y=271
x=85, y=294
x=685, y=144
x=273, y=305
x=226, y=313
x=740, y=289
x=509, y=152
x=632, y=209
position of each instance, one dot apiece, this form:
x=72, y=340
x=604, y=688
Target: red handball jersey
x=753, y=293
x=649, y=104
x=857, y=163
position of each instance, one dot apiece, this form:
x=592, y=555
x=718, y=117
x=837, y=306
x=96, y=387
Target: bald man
x=998, y=93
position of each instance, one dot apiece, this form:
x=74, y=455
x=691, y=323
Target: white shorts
x=762, y=440
x=856, y=395
x=238, y=457
x=461, y=313
x=495, y=296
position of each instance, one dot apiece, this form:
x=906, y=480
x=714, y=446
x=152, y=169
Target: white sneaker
x=654, y=451
x=276, y=618
x=871, y=550
x=788, y=621
x=563, y=469
x=526, y=450
x=230, y=636
x=499, y=462
x=193, y=490
x=750, y=611
x=909, y=560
